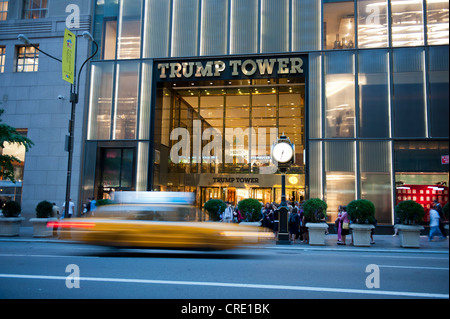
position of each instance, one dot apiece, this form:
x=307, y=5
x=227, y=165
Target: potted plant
x=43, y=215
x=250, y=209
x=215, y=207
x=315, y=213
x=409, y=214
x=361, y=214
x=11, y=219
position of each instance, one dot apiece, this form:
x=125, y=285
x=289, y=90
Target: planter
x=409, y=235
x=361, y=234
x=10, y=226
x=40, y=227
x=316, y=233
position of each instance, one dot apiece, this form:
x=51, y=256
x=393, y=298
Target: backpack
x=293, y=217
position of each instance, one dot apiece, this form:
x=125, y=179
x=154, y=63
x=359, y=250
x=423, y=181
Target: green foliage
x=102, y=202
x=361, y=211
x=215, y=207
x=11, y=209
x=409, y=212
x=445, y=210
x=250, y=209
x=44, y=209
x=9, y=134
x=315, y=210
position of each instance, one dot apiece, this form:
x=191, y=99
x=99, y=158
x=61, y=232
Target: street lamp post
x=74, y=93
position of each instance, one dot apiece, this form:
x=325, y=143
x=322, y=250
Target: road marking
x=234, y=285
x=414, y=267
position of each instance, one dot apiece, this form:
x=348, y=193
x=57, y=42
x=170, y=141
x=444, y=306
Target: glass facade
x=370, y=107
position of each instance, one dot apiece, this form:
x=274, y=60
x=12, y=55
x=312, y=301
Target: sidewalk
x=383, y=243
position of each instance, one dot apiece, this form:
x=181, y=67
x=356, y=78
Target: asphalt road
x=64, y=271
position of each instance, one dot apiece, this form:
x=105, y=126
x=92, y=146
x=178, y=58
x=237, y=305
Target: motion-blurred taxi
x=157, y=220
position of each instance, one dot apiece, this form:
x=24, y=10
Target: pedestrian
x=438, y=208
x=228, y=213
x=294, y=224
x=55, y=211
x=434, y=224
x=345, y=226
x=71, y=209
x=372, y=231
x=91, y=207
x=276, y=214
x=338, y=223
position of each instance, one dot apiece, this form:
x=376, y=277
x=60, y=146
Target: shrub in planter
x=101, y=202
x=44, y=209
x=11, y=209
x=315, y=210
x=409, y=212
x=250, y=209
x=361, y=211
x=215, y=207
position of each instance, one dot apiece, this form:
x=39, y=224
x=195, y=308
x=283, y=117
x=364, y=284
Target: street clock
x=283, y=152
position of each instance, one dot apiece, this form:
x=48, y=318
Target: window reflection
x=129, y=38
x=407, y=22
x=125, y=108
x=372, y=24
x=100, y=101
x=437, y=22
x=340, y=94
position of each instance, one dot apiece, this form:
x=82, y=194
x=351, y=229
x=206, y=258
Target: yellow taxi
x=157, y=221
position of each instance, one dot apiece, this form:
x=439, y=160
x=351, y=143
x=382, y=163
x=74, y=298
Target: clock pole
x=283, y=166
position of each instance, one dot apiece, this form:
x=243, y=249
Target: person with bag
x=294, y=224
x=345, y=226
x=338, y=224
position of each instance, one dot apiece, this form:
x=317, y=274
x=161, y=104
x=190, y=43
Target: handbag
x=345, y=226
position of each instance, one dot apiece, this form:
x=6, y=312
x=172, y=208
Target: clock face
x=282, y=152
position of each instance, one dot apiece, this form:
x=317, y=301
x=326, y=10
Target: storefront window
x=228, y=127
x=340, y=94
x=409, y=95
x=372, y=24
x=407, y=23
x=374, y=103
x=437, y=22
x=420, y=174
x=339, y=24
x=100, y=103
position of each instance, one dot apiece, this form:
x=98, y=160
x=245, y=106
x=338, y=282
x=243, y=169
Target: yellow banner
x=68, y=56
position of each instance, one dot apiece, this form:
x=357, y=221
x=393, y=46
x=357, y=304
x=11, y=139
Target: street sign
x=68, y=57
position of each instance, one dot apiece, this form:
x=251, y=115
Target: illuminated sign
x=233, y=68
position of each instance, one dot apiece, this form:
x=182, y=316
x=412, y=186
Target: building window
x=2, y=59
x=27, y=59
x=3, y=10
x=339, y=25
x=437, y=19
x=34, y=9
x=407, y=23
